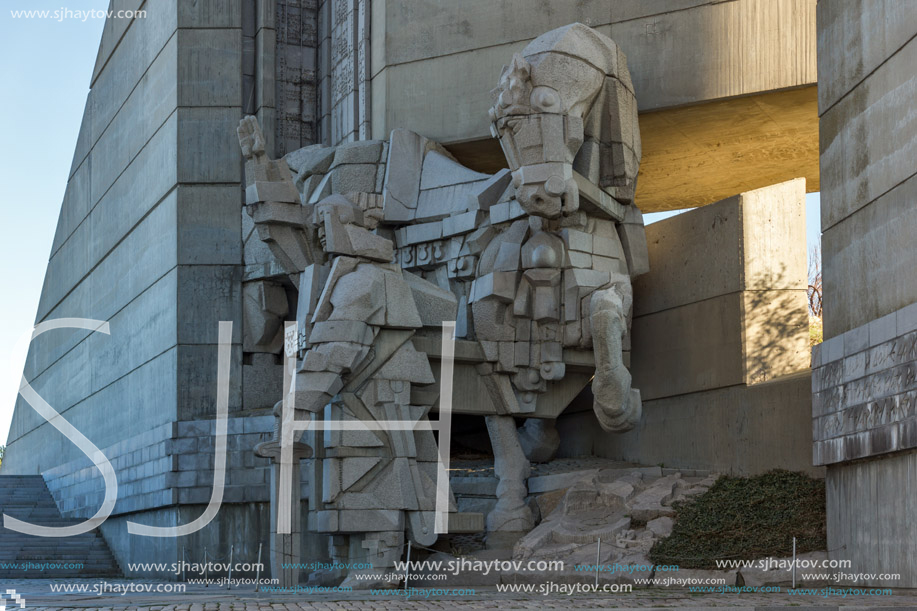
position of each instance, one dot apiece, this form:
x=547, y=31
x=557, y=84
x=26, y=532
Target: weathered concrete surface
x=754, y=241
x=250, y=518
x=149, y=231
x=724, y=302
x=697, y=154
x=868, y=259
x=149, y=239
x=868, y=144
x=884, y=491
x=855, y=38
x=741, y=430
x=165, y=477
x=606, y=516
x=863, y=385
x=679, y=53
x=701, y=153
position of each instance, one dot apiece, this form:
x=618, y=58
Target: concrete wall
x=241, y=528
x=433, y=65
x=724, y=302
x=114, y=255
x=742, y=430
x=284, y=37
x=867, y=86
x=719, y=346
x=449, y=55
x=871, y=509
x=863, y=390
x=149, y=239
x=863, y=386
x=149, y=236
x=165, y=478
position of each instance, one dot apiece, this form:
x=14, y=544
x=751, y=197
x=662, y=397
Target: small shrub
x=745, y=519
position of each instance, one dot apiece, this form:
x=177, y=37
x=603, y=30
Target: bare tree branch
x=815, y=284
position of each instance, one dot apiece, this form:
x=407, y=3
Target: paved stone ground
x=198, y=598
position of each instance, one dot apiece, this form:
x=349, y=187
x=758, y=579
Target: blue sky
x=46, y=67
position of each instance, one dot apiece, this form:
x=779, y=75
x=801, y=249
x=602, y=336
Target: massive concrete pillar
x=864, y=373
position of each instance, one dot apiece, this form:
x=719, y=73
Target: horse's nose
x=542, y=199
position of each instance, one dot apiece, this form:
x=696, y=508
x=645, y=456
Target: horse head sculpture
x=567, y=103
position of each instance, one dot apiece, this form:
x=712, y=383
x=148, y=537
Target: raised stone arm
x=251, y=139
x=617, y=406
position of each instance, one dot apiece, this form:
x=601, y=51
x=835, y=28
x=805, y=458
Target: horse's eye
x=545, y=99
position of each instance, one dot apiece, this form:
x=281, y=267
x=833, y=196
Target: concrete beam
x=699, y=154
x=725, y=89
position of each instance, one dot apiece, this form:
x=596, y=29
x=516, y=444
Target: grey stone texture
x=158, y=467
x=863, y=391
x=295, y=71
x=866, y=56
x=510, y=515
x=149, y=238
x=542, y=290
x=358, y=314
x=142, y=225
x=165, y=476
x=539, y=439
x=152, y=237
x=343, y=55
x=743, y=430
x=479, y=49
x=881, y=488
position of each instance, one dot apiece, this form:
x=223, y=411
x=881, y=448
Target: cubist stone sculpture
x=386, y=240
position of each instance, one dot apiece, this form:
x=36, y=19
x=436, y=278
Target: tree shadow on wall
x=776, y=325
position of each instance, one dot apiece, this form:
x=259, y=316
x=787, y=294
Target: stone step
x=28, y=498
x=468, y=522
x=83, y=552
x=474, y=486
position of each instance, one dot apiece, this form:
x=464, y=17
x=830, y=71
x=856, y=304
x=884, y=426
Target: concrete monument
x=528, y=241
x=389, y=239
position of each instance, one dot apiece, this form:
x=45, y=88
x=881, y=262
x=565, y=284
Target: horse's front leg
x=510, y=518
x=617, y=406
